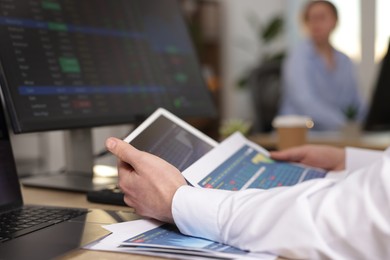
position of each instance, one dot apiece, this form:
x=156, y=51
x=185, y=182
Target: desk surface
x=375, y=141
x=69, y=199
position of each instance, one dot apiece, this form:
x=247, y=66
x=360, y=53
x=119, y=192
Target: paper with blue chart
x=153, y=238
x=238, y=164
x=235, y=164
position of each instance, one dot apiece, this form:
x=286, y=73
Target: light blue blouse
x=311, y=89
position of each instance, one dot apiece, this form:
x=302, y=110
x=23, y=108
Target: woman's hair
x=310, y=4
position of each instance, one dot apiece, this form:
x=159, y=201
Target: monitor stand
x=79, y=160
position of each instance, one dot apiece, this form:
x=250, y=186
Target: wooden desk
x=69, y=199
x=375, y=141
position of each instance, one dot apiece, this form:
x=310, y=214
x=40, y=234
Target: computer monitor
x=378, y=118
x=79, y=64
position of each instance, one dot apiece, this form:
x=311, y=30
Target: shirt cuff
x=195, y=211
x=357, y=158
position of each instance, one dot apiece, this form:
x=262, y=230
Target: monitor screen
x=73, y=64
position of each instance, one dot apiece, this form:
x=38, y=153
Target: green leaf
x=351, y=112
x=243, y=82
x=272, y=29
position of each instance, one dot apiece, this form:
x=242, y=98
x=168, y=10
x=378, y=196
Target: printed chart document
x=238, y=164
x=235, y=164
x=154, y=238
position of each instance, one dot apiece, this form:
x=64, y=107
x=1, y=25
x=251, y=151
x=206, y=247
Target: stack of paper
x=153, y=238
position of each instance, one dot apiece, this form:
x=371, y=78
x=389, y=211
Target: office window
x=347, y=36
x=382, y=29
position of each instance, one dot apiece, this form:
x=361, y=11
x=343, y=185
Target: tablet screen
x=175, y=142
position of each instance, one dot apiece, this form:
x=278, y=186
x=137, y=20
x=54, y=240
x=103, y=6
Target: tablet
x=170, y=138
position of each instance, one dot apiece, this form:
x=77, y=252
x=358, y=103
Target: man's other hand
x=320, y=156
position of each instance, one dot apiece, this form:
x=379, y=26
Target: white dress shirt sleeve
x=357, y=158
x=348, y=219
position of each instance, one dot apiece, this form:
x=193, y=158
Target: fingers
x=126, y=176
x=124, y=151
x=129, y=202
x=290, y=155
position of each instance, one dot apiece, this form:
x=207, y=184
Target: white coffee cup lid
x=292, y=121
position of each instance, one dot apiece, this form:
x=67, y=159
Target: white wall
x=28, y=151
x=241, y=50
x=368, y=69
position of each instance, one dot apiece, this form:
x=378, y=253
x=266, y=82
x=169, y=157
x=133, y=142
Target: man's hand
x=325, y=157
x=149, y=183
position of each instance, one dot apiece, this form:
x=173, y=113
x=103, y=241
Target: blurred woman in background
x=318, y=80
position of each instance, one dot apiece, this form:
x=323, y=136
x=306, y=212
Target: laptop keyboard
x=29, y=219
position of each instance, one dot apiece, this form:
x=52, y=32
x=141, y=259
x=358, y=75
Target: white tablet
x=170, y=138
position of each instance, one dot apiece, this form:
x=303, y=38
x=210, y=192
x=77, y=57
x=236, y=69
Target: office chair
x=265, y=87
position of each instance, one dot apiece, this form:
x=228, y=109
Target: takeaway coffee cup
x=291, y=130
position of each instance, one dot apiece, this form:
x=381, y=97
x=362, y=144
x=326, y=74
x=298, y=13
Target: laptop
x=41, y=232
